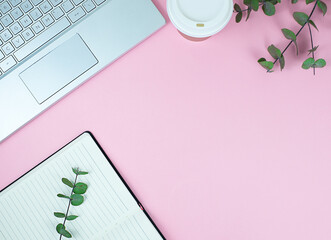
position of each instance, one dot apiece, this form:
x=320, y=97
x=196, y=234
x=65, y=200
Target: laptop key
x=57, y=13
x=16, y=13
x=27, y=34
x=45, y=7
x=1, y=55
x=5, y=7
x=26, y=6
x=16, y=28
x=67, y=6
x=6, y=35
x=35, y=14
x=40, y=40
x=6, y=20
x=76, y=14
x=7, y=64
x=26, y=21
x=47, y=20
x=88, y=5
x=37, y=27
x=18, y=41
x=8, y=48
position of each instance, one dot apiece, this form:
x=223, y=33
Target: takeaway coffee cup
x=198, y=20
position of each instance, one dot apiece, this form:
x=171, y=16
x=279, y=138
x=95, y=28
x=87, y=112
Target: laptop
x=50, y=47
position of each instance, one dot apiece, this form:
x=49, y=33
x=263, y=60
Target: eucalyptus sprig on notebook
x=75, y=199
x=303, y=19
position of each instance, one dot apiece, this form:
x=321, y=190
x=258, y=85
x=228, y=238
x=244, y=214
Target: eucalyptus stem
x=65, y=218
x=76, y=198
x=311, y=13
x=312, y=46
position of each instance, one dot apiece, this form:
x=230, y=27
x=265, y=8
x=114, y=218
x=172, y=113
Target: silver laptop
x=49, y=47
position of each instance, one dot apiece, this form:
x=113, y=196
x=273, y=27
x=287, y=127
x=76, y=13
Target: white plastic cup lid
x=200, y=18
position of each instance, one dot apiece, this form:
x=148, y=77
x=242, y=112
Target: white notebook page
x=108, y=212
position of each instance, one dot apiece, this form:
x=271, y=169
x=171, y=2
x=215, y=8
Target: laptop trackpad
x=58, y=68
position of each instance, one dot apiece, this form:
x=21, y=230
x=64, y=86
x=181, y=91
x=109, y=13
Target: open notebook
x=110, y=210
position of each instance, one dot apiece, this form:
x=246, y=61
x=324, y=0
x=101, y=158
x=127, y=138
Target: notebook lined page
x=108, y=212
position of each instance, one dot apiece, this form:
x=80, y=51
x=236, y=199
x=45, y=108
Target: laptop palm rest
x=58, y=68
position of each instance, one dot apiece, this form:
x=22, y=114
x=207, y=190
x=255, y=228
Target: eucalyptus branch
x=69, y=204
x=302, y=27
x=75, y=199
x=302, y=19
x=312, y=46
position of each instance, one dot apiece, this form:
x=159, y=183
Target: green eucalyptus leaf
x=62, y=196
x=308, y=63
x=261, y=60
x=282, y=62
x=67, y=182
x=65, y=233
x=72, y=217
x=248, y=2
x=312, y=50
x=274, y=52
x=59, y=215
x=255, y=5
x=294, y=1
x=309, y=1
x=313, y=24
x=237, y=8
x=300, y=17
x=75, y=170
x=291, y=36
x=320, y=63
x=77, y=199
x=323, y=7
x=266, y=64
x=59, y=227
x=268, y=9
x=80, y=188
x=82, y=173
x=239, y=17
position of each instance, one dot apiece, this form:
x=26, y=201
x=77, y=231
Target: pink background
x=213, y=146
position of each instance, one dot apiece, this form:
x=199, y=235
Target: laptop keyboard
x=26, y=25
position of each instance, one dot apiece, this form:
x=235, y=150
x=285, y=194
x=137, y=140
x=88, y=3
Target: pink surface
x=213, y=146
